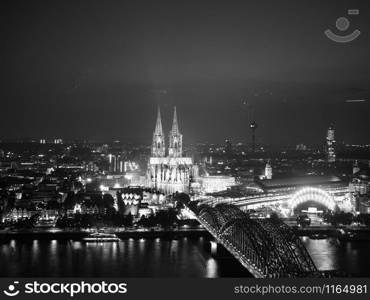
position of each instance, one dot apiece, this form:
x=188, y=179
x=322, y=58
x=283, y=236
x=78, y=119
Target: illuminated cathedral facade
x=168, y=170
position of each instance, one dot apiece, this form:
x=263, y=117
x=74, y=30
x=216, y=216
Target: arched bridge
x=266, y=247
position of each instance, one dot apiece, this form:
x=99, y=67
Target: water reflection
x=156, y=258
x=35, y=254
x=323, y=253
x=212, y=269
x=329, y=254
x=77, y=245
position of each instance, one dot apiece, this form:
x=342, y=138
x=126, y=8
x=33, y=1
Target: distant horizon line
x=52, y=140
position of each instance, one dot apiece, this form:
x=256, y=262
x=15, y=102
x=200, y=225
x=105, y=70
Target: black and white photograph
x=184, y=139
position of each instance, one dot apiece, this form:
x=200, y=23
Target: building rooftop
x=298, y=181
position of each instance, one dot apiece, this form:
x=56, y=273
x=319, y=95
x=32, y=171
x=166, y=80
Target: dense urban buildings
x=40, y=179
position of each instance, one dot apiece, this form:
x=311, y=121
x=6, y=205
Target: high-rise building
x=116, y=163
x=330, y=144
x=355, y=168
x=268, y=170
x=228, y=146
x=171, y=173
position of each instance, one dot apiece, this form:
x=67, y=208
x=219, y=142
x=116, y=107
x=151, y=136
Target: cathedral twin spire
x=158, y=145
x=175, y=138
x=158, y=126
x=175, y=126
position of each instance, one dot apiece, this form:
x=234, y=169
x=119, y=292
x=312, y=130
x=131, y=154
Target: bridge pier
x=217, y=250
x=214, y=246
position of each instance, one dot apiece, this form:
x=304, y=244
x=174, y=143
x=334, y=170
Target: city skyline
x=247, y=140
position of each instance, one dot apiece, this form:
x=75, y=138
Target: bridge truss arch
x=267, y=248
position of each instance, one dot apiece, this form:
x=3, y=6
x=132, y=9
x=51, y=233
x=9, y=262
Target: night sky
x=99, y=69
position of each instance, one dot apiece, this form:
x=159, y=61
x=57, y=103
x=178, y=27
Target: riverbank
x=330, y=231
x=148, y=233
x=78, y=235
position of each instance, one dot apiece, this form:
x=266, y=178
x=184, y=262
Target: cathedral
x=168, y=171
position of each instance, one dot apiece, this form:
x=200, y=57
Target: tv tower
x=253, y=127
x=252, y=124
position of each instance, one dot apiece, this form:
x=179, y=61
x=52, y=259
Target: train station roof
x=291, y=182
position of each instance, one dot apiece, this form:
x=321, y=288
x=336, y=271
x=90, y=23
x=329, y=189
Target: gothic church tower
x=175, y=139
x=158, y=145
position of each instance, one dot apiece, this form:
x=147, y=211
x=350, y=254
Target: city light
x=128, y=176
x=312, y=194
x=103, y=188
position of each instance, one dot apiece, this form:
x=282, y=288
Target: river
x=182, y=257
